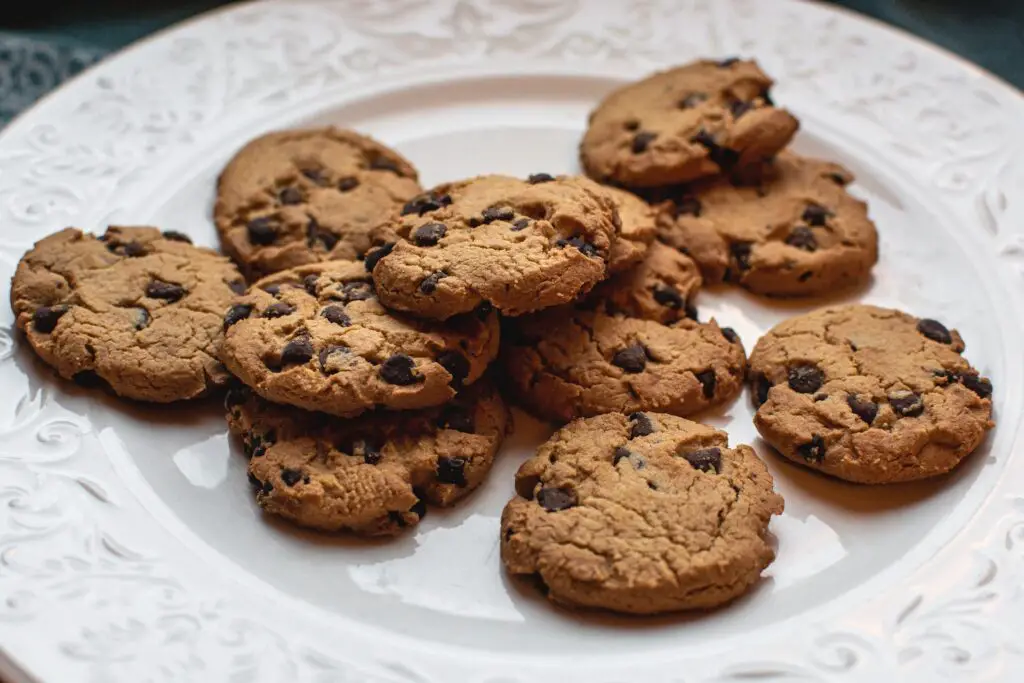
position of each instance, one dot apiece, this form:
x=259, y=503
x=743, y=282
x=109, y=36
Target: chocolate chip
x=707, y=381
x=586, y=248
x=934, y=330
x=336, y=315
x=706, y=460
x=816, y=214
x=642, y=140
x=399, y=369
x=906, y=403
x=298, y=351
x=385, y=164
x=459, y=418
x=261, y=231
x=668, y=297
x=290, y=477
x=536, y=178
x=168, y=291
x=326, y=237
x=348, y=184
x=499, y=213
x=419, y=508
x=723, y=156
x=483, y=311
x=738, y=108
x=456, y=364
x=89, y=379
x=316, y=175
x=865, y=409
x=237, y=286
x=272, y=290
x=426, y=202
x=371, y=452
x=632, y=359
x=428, y=285
x=766, y=96
x=947, y=376
x=309, y=283
x=355, y=291
x=620, y=453
x=730, y=335
x=802, y=237
x=761, y=388
x=429, y=234
x=554, y=499
x=631, y=125
x=741, y=254
x=686, y=206
x=45, y=318
x=134, y=250
x=175, y=236
x=813, y=450
x=979, y=385
x=642, y=425
x=727, y=62
x=837, y=178
x=452, y=470
x=290, y=195
x=325, y=356
x=692, y=100
x=374, y=256
x=521, y=224
x=805, y=379
x=278, y=310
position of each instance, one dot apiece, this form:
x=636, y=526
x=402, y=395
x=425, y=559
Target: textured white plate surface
x=130, y=547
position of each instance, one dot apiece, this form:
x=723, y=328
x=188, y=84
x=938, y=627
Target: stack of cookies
x=379, y=328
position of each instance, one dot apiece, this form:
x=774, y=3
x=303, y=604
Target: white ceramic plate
x=130, y=547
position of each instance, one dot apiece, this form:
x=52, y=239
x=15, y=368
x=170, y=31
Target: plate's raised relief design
x=84, y=562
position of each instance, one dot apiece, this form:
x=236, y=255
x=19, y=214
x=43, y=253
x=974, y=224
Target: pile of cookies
x=368, y=334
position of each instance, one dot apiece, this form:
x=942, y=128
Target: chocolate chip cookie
x=795, y=233
x=702, y=119
x=869, y=394
x=580, y=361
x=638, y=229
x=135, y=308
x=516, y=245
x=373, y=475
x=316, y=337
x=641, y=514
x=663, y=287
x=295, y=197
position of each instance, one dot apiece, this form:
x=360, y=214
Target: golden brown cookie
x=516, y=245
x=638, y=229
x=690, y=122
x=869, y=394
x=641, y=514
x=796, y=233
x=302, y=196
x=372, y=475
x=661, y=288
x=316, y=337
x=137, y=308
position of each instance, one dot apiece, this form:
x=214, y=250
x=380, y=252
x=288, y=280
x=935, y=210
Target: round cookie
x=661, y=288
x=578, y=362
x=517, y=245
x=316, y=337
x=641, y=514
x=869, y=394
x=693, y=121
x=796, y=233
x=136, y=308
x=639, y=228
x=372, y=475
x=295, y=197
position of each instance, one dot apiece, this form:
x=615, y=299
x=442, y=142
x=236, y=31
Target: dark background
x=988, y=32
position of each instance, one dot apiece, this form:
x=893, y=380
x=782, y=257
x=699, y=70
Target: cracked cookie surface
x=642, y=514
x=518, y=245
x=316, y=337
x=795, y=233
x=662, y=287
x=693, y=121
x=302, y=196
x=638, y=229
x=868, y=394
x=580, y=361
x=138, y=308
x=372, y=475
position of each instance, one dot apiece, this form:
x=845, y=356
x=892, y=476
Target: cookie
x=638, y=229
x=869, y=394
x=661, y=288
x=796, y=233
x=303, y=196
x=579, y=361
x=516, y=245
x=373, y=475
x=641, y=514
x=316, y=337
x=702, y=119
x=135, y=308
